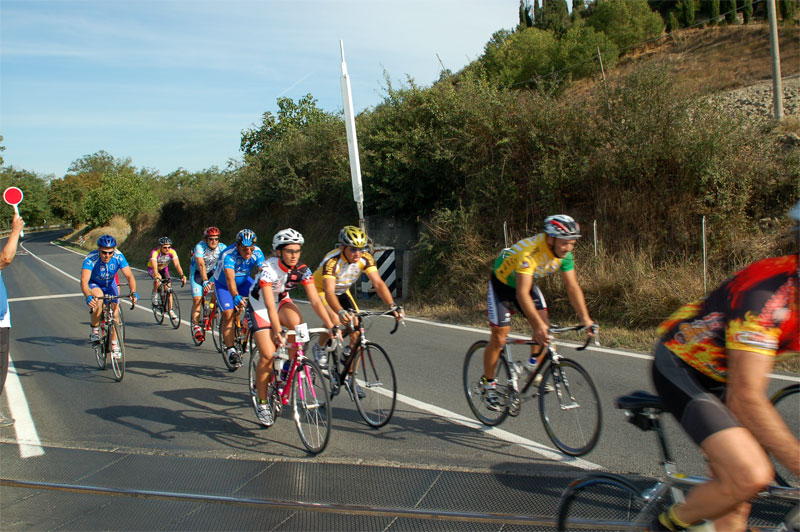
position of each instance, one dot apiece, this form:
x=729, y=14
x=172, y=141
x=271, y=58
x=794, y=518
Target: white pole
x=352, y=142
x=595, y=238
x=705, y=263
x=777, y=88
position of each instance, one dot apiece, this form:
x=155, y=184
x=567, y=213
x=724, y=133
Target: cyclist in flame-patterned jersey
x=711, y=369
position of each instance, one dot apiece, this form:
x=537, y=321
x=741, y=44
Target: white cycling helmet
x=285, y=237
x=562, y=226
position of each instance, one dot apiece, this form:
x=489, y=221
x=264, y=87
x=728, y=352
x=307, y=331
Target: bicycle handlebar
x=106, y=297
x=554, y=330
x=364, y=313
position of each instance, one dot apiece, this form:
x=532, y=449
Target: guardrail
x=5, y=232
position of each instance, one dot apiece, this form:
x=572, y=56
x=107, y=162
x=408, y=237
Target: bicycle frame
x=362, y=338
x=299, y=340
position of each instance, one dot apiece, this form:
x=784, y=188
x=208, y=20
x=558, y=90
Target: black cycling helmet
x=164, y=241
x=106, y=241
x=562, y=226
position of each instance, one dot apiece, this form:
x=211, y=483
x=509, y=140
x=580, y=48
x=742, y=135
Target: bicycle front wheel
x=602, y=501
x=473, y=387
x=118, y=359
x=121, y=319
x=176, y=309
x=214, y=330
x=570, y=407
x=375, y=387
x=787, y=403
x=312, y=410
x=158, y=308
x=100, y=354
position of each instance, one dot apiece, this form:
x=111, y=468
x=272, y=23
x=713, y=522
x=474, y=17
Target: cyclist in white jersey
x=270, y=307
x=204, y=259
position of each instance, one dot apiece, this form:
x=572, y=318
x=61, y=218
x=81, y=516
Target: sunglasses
x=166, y=247
x=251, y=248
x=356, y=250
x=214, y=238
x=106, y=252
x=292, y=251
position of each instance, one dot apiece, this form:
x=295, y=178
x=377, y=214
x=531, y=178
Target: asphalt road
x=178, y=400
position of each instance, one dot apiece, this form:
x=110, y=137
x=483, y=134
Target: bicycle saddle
x=639, y=400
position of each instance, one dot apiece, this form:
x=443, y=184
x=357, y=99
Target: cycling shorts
x=259, y=318
x=345, y=300
x=195, y=281
x=111, y=290
x=694, y=399
x=164, y=273
x=502, y=300
x=224, y=298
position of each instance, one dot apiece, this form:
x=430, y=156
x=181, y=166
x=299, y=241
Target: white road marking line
x=52, y=296
x=27, y=438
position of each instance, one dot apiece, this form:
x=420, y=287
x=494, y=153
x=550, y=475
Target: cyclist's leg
x=95, y=314
x=113, y=290
x=500, y=321
x=262, y=338
x=195, y=282
x=739, y=464
x=323, y=339
x=225, y=306
x=347, y=302
x=541, y=306
x=167, y=282
x=290, y=317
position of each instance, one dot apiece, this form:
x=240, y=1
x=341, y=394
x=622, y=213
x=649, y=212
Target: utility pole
x=777, y=89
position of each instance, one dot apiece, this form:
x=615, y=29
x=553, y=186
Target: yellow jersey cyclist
x=512, y=287
x=205, y=255
x=338, y=271
x=158, y=268
x=99, y=277
x=711, y=368
x=270, y=307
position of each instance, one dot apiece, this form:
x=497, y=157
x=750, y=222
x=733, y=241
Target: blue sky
x=173, y=83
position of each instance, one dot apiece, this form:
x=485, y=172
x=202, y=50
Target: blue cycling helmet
x=106, y=241
x=246, y=237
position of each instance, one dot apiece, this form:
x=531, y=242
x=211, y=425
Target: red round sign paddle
x=13, y=196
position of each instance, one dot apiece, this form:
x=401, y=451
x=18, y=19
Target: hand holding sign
x=13, y=196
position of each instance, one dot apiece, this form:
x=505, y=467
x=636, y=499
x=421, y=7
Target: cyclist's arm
x=577, y=299
x=201, y=267
x=177, y=262
x=86, y=275
x=748, y=378
x=524, y=286
x=381, y=289
x=318, y=306
x=128, y=273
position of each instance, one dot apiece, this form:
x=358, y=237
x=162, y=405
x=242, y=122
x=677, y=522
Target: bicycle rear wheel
x=311, y=405
x=374, y=375
x=787, y=402
x=158, y=308
x=176, y=308
x=473, y=387
x=121, y=319
x=570, y=413
x=602, y=501
x=117, y=362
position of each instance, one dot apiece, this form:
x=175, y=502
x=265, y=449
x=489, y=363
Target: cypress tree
x=672, y=22
x=729, y=8
x=747, y=11
x=788, y=9
x=688, y=12
x=714, y=11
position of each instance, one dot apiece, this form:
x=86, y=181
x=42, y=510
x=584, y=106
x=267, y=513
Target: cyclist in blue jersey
x=232, y=281
x=204, y=259
x=98, y=278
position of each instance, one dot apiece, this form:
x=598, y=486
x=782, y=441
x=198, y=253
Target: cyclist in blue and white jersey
x=98, y=278
x=232, y=281
x=204, y=259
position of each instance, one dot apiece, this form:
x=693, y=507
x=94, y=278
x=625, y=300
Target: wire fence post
x=505, y=233
x=705, y=260
x=594, y=225
x=600, y=57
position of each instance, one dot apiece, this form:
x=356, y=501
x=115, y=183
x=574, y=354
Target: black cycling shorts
x=502, y=302
x=694, y=399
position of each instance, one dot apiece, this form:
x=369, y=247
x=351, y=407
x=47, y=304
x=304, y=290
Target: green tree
x=577, y=51
x=729, y=8
x=688, y=9
x=521, y=58
x=627, y=22
x=672, y=22
x=747, y=11
x=525, y=17
x=123, y=191
x=2, y=149
x=554, y=17
x=714, y=11
x=788, y=9
x=34, y=208
x=66, y=195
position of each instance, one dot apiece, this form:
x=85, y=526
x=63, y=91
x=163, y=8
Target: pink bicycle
x=302, y=385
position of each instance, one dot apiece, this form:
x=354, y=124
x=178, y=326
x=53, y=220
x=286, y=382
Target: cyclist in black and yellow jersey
x=338, y=270
x=512, y=287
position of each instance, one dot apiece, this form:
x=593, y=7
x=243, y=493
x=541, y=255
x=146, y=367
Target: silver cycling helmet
x=562, y=226
x=286, y=237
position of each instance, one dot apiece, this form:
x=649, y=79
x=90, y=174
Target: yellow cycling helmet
x=352, y=236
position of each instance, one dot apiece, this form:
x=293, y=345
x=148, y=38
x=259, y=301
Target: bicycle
x=110, y=328
x=307, y=393
x=241, y=337
x=208, y=323
x=569, y=405
x=606, y=501
x=370, y=368
x=787, y=402
x=166, y=295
